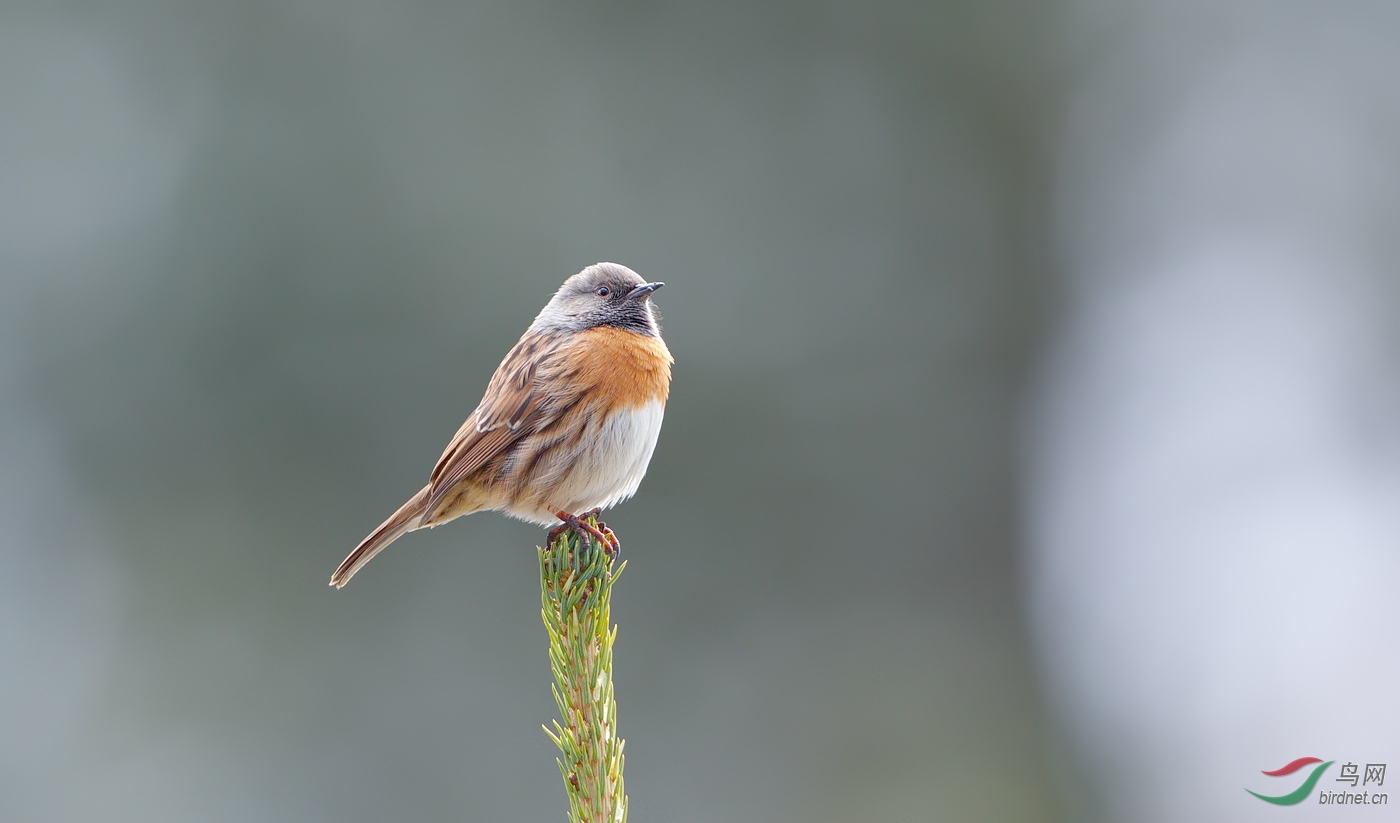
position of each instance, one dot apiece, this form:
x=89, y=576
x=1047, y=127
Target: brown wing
x=513, y=406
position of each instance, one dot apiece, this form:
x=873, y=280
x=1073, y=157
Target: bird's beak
x=643, y=290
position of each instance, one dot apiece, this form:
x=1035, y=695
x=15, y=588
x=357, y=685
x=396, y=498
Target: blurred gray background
x=1031, y=456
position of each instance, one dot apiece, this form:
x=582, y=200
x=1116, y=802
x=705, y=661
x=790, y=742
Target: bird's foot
x=609, y=535
x=585, y=532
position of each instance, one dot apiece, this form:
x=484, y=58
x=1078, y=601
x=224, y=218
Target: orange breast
x=624, y=367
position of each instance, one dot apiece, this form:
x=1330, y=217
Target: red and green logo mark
x=1299, y=794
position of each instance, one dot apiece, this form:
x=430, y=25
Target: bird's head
x=604, y=294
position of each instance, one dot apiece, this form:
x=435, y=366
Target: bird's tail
x=405, y=520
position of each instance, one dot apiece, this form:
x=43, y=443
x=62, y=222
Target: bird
x=568, y=423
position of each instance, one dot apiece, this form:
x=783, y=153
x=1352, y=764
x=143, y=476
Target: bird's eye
x=602, y=291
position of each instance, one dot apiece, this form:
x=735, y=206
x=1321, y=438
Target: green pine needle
x=576, y=581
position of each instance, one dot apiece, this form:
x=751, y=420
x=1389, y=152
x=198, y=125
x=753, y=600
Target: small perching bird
x=568, y=422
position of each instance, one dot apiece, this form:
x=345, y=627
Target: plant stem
x=576, y=580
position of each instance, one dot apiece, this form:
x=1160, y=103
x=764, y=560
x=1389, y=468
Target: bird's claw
x=605, y=536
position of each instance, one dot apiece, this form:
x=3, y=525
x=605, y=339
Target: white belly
x=612, y=468
x=604, y=473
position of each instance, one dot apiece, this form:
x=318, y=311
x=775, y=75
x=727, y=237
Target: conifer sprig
x=576, y=579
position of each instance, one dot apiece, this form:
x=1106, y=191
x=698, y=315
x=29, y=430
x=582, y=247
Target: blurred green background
x=259, y=260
